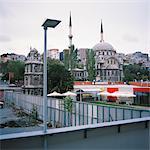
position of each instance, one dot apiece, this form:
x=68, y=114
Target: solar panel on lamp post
x=49, y=23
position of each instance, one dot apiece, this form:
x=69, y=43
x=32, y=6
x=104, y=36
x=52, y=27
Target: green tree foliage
x=68, y=106
x=70, y=58
x=90, y=64
x=59, y=78
x=73, y=57
x=68, y=103
x=66, y=58
x=132, y=72
x=15, y=67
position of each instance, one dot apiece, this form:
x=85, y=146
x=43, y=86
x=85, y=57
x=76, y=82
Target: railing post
x=54, y=115
x=97, y=113
x=87, y=114
x=116, y=114
x=79, y=113
x=64, y=117
x=131, y=113
x=140, y=113
x=83, y=114
x=109, y=114
x=92, y=113
x=103, y=115
x=75, y=113
x=123, y=113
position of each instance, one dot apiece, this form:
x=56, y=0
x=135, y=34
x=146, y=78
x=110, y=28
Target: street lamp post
x=52, y=24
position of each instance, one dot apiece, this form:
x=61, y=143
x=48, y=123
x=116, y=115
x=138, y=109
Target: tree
x=73, y=57
x=14, y=67
x=90, y=64
x=70, y=58
x=66, y=58
x=68, y=106
x=135, y=71
x=59, y=78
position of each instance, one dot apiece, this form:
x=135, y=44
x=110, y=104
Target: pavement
x=7, y=114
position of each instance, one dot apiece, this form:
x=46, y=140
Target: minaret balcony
x=70, y=36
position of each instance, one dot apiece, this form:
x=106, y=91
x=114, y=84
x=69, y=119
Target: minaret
x=102, y=40
x=70, y=32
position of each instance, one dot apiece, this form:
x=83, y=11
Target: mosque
x=107, y=64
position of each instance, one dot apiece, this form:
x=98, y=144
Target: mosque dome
x=103, y=46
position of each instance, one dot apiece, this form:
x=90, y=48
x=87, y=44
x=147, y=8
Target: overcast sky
x=125, y=23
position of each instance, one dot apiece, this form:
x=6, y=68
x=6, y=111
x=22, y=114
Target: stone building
x=33, y=76
x=53, y=53
x=13, y=57
x=108, y=66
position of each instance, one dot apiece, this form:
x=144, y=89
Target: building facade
x=12, y=57
x=82, y=55
x=33, y=76
x=107, y=64
x=53, y=53
x=138, y=58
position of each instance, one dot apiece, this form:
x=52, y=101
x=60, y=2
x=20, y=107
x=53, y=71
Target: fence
x=82, y=113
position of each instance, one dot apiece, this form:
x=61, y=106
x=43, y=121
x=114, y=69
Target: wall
x=132, y=136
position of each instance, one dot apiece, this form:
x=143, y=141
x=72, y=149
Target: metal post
x=79, y=114
x=97, y=114
x=103, y=114
x=45, y=82
x=123, y=114
x=92, y=114
x=80, y=96
x=87, y=114
x=116, y=114
x=109, y=114
x=83, y=114
x=75, y=113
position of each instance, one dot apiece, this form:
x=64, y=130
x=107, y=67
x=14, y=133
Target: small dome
x=103, y=46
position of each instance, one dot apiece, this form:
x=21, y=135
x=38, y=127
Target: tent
x=105, y=93
x=69, y=94
x=123, y=94
x=55, y=94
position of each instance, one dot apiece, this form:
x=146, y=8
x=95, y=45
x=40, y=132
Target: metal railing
x=82, y=113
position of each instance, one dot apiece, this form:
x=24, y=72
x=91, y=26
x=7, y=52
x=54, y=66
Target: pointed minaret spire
x=30, y=48
x=102, y=40
x=70, y=23
x=70, y=32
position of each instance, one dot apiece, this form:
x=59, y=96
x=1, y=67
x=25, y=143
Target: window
x=31, y=68
x=111, y=61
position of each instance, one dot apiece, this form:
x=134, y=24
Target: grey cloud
x=5, y=10
x=130, y=38
x=4, y=38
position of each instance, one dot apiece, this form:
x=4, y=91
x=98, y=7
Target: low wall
x=121, y=135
